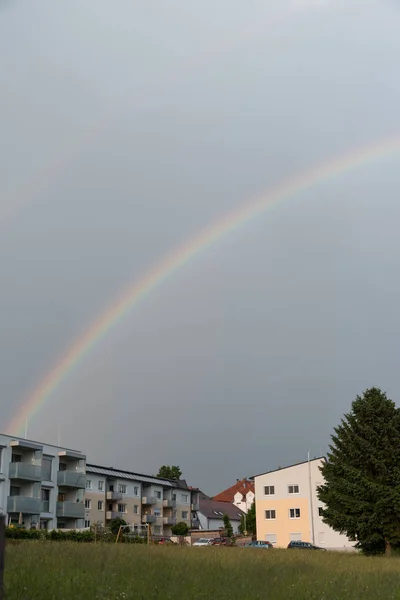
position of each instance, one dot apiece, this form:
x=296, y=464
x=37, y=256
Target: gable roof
x=303, y=462
x=243, y=486
x=212, y=509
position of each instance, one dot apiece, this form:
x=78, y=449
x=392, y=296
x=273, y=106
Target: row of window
x=121, y=508
x=122, y=489
x=294, y=513
x=269, y=490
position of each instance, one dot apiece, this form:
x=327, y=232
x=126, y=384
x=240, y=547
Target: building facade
x=288, y=508
x=140, y=500
x=41, y=485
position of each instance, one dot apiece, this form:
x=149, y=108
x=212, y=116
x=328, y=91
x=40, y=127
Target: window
x=184, y=514
x=100, y=486
x=157, y=512
x=270, y=514
x=293, y=489
x=135, y=509
x=46, y=469
x=122, y=488
x=45, y=496
x=295, y=537
x=62, y=466
x=136, y=490
x=16, y=458
x=321, y=537
x=61, y=497
x=185, y=498
x=157, y=495
x=271, y=537
x=294, y=513
x=88, y=484
x=100, y=505
x=320, y=511
x=269, y=490
x=173, y=496
x=88, y=503
x=87, y=523
x=14, y=490
x=121, y=508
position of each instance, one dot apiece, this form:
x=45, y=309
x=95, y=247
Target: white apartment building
x=41, y=485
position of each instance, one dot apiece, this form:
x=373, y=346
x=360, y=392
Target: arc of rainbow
x=44, y=177
x=182, y=255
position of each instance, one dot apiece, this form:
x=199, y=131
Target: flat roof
x=18, y=438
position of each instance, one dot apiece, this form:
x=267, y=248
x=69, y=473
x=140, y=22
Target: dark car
x=221, y=541
x=299, y=545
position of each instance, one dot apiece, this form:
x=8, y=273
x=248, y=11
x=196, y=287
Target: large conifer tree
x=361, y=492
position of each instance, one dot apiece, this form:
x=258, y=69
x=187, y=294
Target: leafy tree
x=180, y=529
x=172, y=472
x=361, y=491
x=228, y=526
x=115, y=524
x=248, y=521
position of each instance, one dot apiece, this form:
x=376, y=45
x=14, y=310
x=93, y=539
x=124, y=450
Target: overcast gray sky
x=126, y=127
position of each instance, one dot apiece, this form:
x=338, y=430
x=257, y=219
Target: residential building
x=241, y=494
x=210, y=514
x=288, y=508
x=41, y=485
x=140, y=500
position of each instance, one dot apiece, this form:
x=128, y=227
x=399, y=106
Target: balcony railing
x=73, y=479
x=24, y=504
x=71, y=510
x=113, y=514
x=27, y=471
x=169, y=503
x=149, y=518
x=149, y=500
x=169, y=520
x=114, y=495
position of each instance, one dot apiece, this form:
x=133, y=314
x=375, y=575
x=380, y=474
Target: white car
x=203, y=542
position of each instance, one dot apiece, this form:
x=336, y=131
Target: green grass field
x=59, y=571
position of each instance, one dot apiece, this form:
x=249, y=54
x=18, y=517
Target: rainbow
x=182, y=255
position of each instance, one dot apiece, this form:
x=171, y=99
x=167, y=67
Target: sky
x=126, y=128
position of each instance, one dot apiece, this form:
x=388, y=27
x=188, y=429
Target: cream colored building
x=288, y=508
x=140, y=500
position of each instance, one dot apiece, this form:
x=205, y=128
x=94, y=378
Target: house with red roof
x=241, y=494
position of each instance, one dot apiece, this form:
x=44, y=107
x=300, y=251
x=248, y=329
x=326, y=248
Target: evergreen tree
x=361, y=492
x=228, y=526
x=248, y=521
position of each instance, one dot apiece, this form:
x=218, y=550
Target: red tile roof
x=243, y=486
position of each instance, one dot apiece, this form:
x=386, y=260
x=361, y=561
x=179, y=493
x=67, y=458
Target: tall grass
x=54, y=571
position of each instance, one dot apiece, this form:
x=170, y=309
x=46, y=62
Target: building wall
x=309, y=527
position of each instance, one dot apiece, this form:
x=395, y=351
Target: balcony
x=73, y=479
x=24, y=504
x=70, y=510
x=149, y=518
x=169, y=520
x=169, y=503
x=114, y=496
x=113, y=514
x=149, y=500
x=26, y=471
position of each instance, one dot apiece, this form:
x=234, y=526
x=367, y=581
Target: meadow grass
x=60, y=571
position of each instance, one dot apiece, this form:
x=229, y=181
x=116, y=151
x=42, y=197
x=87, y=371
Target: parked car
x=222, y=541
x=203, y=542
x=259, y=544
x=298, y=544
